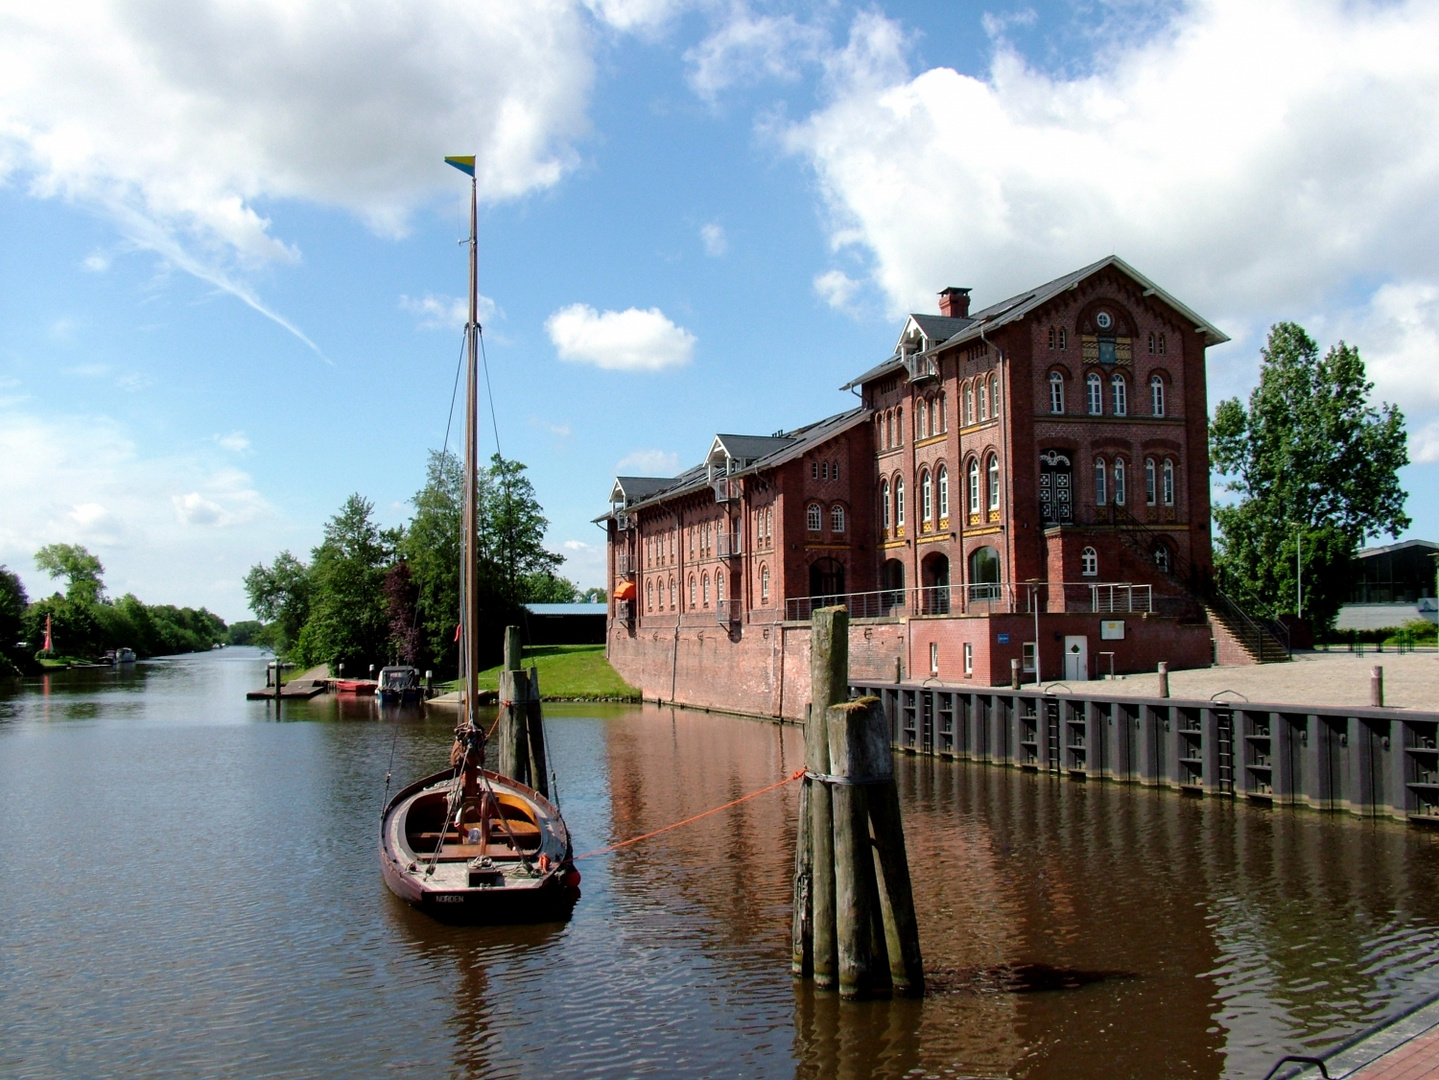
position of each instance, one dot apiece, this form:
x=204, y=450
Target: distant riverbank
x=568, y=673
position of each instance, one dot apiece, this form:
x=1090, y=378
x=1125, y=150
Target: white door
x=1076, y=659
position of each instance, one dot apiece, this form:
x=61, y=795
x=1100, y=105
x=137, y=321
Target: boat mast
x=470, y=602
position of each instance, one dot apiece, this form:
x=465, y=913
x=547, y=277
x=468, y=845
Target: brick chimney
x=954, y=303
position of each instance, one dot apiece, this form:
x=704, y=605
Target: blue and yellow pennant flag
x=464, y=164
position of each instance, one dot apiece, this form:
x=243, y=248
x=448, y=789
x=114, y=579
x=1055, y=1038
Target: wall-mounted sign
x=1004, y=639
x=1112, y=630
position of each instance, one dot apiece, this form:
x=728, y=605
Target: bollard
x=1014, y=674
x=829, y=685
x=513, y=650
x=1163, y=678
x=1376, y=687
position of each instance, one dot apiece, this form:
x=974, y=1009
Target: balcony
x=729, y=545
x=921, y=367
x=624, y=613
x=989, y=598
x=728, y=612
x=625, y=564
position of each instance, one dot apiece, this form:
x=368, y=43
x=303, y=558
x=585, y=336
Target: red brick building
x=1041, y=463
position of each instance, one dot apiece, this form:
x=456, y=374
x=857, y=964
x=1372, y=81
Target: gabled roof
x=629, y=488
x=938, y=327
x=748, y=447
x=1020, y=305
x=770, y=451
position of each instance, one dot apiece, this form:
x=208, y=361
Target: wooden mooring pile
x=520, y=729
x=854, y=925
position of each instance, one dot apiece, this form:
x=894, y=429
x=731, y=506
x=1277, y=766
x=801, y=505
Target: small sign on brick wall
x=1111, y=630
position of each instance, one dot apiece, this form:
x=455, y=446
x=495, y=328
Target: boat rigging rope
x=791, y=778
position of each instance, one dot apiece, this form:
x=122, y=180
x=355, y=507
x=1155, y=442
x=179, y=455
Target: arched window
x=1151, y=343
x=1149, y=481
x=899, y=426
x=1168, y=482
x=921, y=419
x=836, y=518
x=943, y=413
x=1101, y=493
x=943, y=485
x=926, y=498
x=1121, y=395
x=983, y=400
x=763, y=583
x=884, y=502
x=824, y=470
x=1161, y=344
x=1061, y=339
x=650, y=595
x=692, y=530
x=994, y=396
x=1118, y=481
x=993, y=471
x=899, y=502
x=1096, y=394
x=834, y=470
x=974, y=485
x=879, y=430
x=1156, y=395
x=769, y=524
x=692, y=590
x=1161, y=557
x=672, y=594
x=889, y=430
x=1051, y=337
x=814, y=519
x=1056, y=392
x=1089, y=562
x=814, y=470
x=719, y=586
x=705, y=588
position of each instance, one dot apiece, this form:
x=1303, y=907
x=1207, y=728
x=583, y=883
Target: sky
x=231, y=287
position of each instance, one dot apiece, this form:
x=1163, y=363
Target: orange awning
x=625, y=590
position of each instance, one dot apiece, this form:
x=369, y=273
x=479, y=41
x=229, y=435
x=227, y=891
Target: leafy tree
x=595, y=596
x=1314, y=466
x=75, y=630
x=347, y=622
x=512, y=528
x=547, y=588
x=77, y=566
x=400, y=596
x=431, y=547
x=280, y=595
x=246, y=632
x=13, y=603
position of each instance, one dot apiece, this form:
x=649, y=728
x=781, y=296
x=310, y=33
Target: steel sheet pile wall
x=1370, y=762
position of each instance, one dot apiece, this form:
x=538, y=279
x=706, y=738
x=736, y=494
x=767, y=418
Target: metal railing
x=728, y=611
x=993, y=598
x=729, y=544
x=625, y=563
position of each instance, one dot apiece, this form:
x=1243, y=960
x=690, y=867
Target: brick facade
x=1049, y=452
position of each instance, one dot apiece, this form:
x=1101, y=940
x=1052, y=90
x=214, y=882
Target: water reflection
x=195, y=888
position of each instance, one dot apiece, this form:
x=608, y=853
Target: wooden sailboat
x=468, y=844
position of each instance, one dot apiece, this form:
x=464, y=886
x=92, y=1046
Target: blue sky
x=229, y=270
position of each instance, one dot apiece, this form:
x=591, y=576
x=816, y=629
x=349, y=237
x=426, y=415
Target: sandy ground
x=1411, y=681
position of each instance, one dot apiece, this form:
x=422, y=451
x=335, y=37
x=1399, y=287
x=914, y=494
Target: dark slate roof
x=751, y=447
x=783, y=447
x=1403, y=545
x=637, y=487
x=939, y=327
x=1020, y=305
x=598, y=610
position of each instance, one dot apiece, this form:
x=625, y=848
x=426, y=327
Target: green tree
x=595, y=596
x=1315, y=467
x=246, y=632
x=432, y=548
x=348, y=622
x=77, y=566
x=13, y=603
x=280, y=595
x=547, y=588
x=512, y=530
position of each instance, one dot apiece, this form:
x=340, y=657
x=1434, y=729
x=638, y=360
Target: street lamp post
x=1033, y=584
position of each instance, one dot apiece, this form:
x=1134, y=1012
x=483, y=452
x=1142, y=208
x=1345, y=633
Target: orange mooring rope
x=791, y=778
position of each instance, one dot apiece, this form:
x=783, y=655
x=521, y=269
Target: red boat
x=358, y=687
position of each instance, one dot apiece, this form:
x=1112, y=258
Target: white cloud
x=97, y=262
x=636, y=15
x=236, y=442
x=1398, y=336
x=1253, y=158
x=714, y=240
x=836, y=288
x=179, y=120
x=629, y=340
x=648, y=463
x=180, y=528
x=1424, y=444
x=584, y=563
x=747, y=48
x=577, y=545
x=447, y=312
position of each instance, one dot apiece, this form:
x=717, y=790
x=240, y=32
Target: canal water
x=191, y=889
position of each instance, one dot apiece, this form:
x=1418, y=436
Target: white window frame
x=1089, y=562
x=814, y=518
x=1120, y=388
x=973, y=485
x=1119, y=485
x=1156, y=395
x=1101, y=483
x=1150, y=482
x=1056, y=393
x=968, y=659
x=884, y=500
x=1094, y=387
x=942, y=482
x=1168, y=481
x=994, y=397
x=992, y=479
x=836, y=518
x=763, y=583
x=926, y=496
x=899, y=502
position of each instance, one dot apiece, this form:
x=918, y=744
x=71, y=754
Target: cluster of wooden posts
x=520, y=730
x=854, y=925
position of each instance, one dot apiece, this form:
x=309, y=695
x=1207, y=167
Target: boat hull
x=547, y=895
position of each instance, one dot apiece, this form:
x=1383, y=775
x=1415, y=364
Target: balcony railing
x=990, y=598
x=625, y=563
x=623, y=612
x=728, y=611
x=729, y=544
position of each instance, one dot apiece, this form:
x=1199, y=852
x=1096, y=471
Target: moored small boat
x=399, y=682
x=360, y=687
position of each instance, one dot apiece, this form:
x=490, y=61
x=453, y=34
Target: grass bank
x=574, y=672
